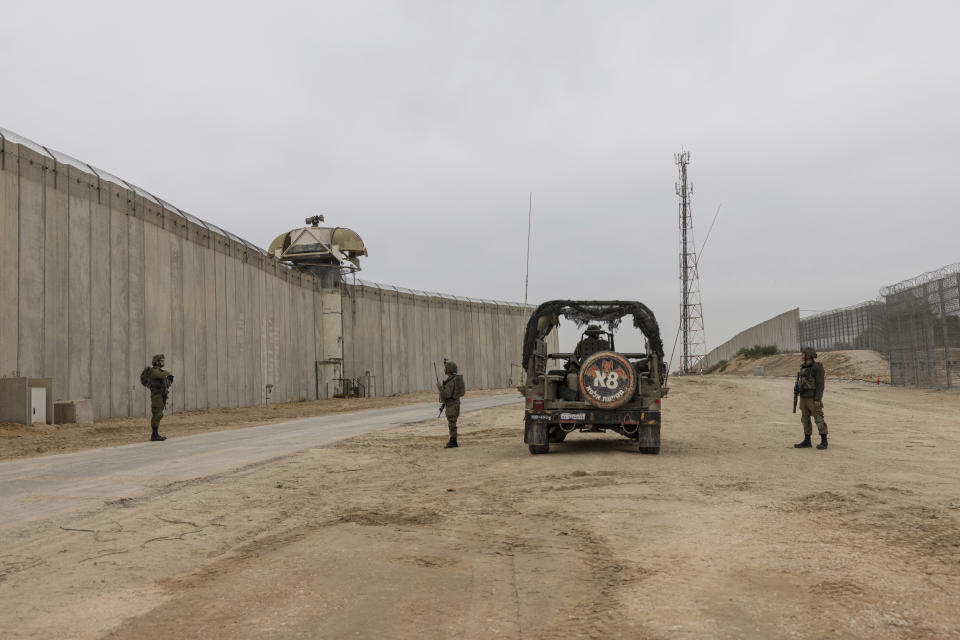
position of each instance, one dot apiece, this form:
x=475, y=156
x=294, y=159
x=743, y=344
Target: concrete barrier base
x=78, y=411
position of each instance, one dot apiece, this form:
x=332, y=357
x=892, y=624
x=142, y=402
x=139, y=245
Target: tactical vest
x=454, y=388
x=808, y=379
x=158, y=386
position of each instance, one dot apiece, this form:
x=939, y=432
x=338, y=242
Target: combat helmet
x=809, y=351
x=593, y=330
x=449, y=366
x=156, y=360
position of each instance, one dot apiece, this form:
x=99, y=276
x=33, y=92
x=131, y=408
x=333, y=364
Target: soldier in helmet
x=593, y=337
x=451, y=390
x=810, y=383
x=159, y=384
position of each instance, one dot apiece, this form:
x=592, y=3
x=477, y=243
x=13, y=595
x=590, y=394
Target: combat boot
x=804, y=444
x=823, y=442
x=451, y=444
x=156, y=437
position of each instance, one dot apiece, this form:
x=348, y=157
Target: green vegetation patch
x=758, y=351
x=721, y=366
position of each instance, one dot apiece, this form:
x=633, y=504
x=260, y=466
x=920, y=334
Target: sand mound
x=859, y=364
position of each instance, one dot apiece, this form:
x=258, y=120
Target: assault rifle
x=796, y=392
x=437, y=376
x=167, y=383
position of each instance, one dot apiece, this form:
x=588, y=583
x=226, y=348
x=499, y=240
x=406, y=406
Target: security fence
x=860, y=326
x=916, y=323
x=923, y=328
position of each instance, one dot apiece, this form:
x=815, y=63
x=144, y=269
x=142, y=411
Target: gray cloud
x=827, y=130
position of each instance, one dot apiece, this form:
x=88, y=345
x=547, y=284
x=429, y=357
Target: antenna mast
x=691, y=309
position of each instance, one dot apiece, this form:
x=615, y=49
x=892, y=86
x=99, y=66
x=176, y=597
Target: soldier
x=451, y=390
x=160, y=381
x=593, y=335
x=810, y=383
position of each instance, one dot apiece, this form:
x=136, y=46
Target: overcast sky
x=828, y=131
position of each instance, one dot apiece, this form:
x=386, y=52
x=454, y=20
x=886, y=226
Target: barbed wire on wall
x=915, y=322
x=923, y=278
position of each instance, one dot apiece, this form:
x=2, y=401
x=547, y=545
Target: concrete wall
x=397, y=334
x=96, y=276
x=781, y=330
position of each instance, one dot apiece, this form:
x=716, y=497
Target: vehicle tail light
x=657, y=401
x=538, y=405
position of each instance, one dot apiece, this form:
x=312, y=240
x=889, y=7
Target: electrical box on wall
x=26, y=400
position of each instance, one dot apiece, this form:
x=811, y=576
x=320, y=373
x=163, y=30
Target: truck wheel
x=539, y=448
x=648, y=438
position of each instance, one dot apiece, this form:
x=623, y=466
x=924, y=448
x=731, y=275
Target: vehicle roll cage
x=583, y=312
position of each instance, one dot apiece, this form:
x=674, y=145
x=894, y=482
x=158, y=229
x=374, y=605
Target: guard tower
x=329, y=253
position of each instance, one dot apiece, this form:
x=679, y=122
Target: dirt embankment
x=853, y=364
x=21, y=441
x=729, y=533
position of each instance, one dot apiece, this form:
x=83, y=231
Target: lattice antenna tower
x=691, y=308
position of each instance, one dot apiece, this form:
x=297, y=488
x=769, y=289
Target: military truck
x=597, y=388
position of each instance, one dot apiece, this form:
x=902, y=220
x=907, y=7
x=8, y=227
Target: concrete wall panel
x=445, y=344
x=406, y=342
x=487, y=362
x=417, y=367
x=392, y=301
x=304, y=329
x=279, y=334
x=220, y=274
x=254, y=292
x=32, y=261
x=56, y=357
x=82, y=193
x=210, y=331
x=9, y=259
x=184, y=375
x=231, y=321
x=137, y=305
x=188, y=380
x=388, y=339
x=123, y=381
x=157, y=287
x=273, y=336
x=469, y=354
x=100, y=317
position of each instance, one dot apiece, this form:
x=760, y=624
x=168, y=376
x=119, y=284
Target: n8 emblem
x=609, y=380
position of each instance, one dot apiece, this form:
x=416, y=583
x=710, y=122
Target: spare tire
x=607, y=380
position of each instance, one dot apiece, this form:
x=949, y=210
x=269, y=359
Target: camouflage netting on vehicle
x=583, y=312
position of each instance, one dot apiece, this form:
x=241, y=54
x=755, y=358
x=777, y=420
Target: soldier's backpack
x=145, y=377
x=459, y=388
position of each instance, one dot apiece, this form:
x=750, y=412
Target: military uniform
x=160, y=381
x=451, y=390
x=810, y=383
x=593, y=341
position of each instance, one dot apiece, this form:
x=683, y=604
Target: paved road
x=39, y=488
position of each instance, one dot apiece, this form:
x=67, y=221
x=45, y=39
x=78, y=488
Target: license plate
x=573, y=416
x=540, y=416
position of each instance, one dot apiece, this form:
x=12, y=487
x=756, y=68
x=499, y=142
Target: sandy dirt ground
x=22, y=441
x=728, y=533
x=855, y=364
